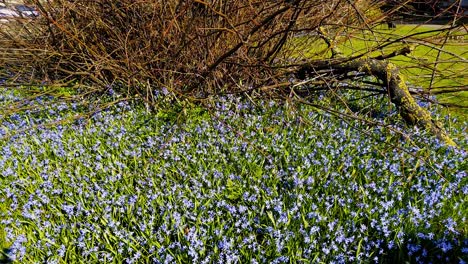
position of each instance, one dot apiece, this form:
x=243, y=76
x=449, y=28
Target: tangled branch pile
x=186, y=45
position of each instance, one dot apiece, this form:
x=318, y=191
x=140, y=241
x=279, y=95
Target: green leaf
x=272, y=219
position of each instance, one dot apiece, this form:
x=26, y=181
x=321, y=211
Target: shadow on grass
x=4, y=259
x=429, y=251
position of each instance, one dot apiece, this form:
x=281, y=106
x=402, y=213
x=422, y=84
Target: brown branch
x=403, y=51
x=454, y=90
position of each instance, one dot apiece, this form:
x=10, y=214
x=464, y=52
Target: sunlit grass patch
x=448, y=60
x=418, y=66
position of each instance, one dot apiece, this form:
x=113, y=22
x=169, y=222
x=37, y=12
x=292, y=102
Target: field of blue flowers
x=240, y=182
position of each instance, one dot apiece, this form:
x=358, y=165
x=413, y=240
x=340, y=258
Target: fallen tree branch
x=396, y=87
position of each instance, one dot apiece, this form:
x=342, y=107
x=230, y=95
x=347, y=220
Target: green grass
x=417, y=66
x=452, y=71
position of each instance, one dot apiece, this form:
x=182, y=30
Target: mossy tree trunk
x=396, y=87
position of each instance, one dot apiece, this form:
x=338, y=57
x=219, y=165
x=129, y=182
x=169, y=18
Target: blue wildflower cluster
x=242, y=183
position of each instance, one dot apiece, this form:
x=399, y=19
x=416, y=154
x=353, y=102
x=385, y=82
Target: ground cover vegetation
x=232, y=131
x=248, y=183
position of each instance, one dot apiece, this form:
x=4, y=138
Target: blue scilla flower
x=444, y=245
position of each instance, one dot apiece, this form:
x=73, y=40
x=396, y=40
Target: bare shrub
x=185, y=45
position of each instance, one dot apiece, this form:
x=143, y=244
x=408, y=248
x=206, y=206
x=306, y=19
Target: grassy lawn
x=242, y=183
x=450, y=70
x=417, y=66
